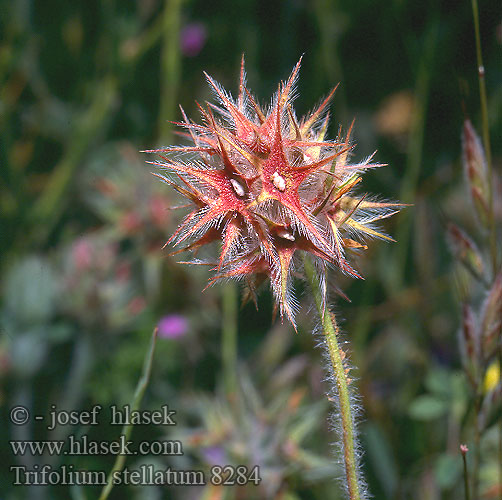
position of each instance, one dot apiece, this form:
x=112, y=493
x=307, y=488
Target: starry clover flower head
x=270, y=186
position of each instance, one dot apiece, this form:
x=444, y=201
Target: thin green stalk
x=170, y=66
x=500, y=426
x=49, y=206
x=477, y=447
x=463, y=450
x=229, y=337
x=331, y=330
x=127, y=429
x=331, y=27
x=75, y=383
x=486, y=142
x=486, y=131
x=145, y=42
x=414, y=151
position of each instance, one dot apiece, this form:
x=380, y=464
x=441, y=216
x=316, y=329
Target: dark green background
x=84, y=85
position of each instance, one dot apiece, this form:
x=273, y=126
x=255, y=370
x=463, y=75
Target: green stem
x=477, y=447
x=414, y=157
x=170, y=66
x=331, y=28
x=331, y=330
x=127, y=429
x=486, y=132
x=48, y=208
x=466, y=475
x=229, y=337
x=500, y=426
x=491, y=221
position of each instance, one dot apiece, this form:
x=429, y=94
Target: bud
x=476, y=172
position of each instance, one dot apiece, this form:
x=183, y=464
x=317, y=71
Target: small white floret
x=239, y=190
x=287, y=235
x=278, y=181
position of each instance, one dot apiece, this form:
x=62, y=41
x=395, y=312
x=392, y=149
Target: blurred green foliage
x=84, y=86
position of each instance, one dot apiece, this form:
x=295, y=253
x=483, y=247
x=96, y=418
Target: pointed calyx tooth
x=278, y=181
x=238, y=189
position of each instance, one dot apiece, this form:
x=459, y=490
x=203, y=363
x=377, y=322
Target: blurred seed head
x=476, y=172
x=491, y=319
x=131, y=202
x=97, y=284
x=466, y=251
x=470, y=345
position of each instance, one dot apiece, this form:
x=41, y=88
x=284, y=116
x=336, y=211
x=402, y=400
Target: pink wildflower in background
x=192, y=39
x=82, y=254
x=173, y=326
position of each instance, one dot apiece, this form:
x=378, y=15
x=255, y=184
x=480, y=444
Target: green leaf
x=447, y=470
x=427, y=408
x=28, y=351
x=439, y=382
x=30, y=291
x=382, y=459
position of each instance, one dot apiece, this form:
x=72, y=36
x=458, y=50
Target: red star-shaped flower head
x=269, y=187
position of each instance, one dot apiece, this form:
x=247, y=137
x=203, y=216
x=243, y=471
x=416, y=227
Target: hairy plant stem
x=331, y=330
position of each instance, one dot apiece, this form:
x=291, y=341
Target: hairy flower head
x=270, y=187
